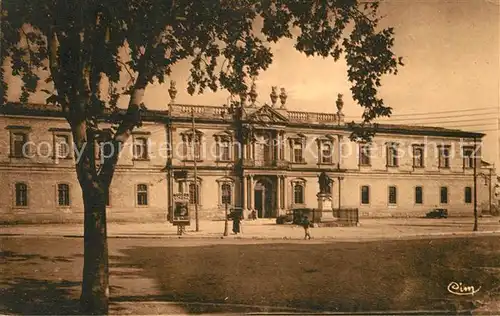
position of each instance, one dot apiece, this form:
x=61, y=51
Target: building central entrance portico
x=264, y=198
x=266, y=195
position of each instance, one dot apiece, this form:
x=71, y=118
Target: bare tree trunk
x=95, y=294
x=95, y=288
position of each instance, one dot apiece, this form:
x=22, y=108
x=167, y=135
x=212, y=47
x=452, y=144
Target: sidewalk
x=267, y=229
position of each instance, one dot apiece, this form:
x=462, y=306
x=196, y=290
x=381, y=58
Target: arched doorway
x=264, y=200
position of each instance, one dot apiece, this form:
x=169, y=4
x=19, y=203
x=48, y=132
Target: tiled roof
x=55, y=111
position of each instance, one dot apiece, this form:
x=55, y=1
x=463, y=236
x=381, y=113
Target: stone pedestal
x=325, y=207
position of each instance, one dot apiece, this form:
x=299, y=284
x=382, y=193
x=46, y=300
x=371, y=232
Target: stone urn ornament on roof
x=283, y=97
x=172, y=91
x=273, y=95
x=253, y=93
x=340, y=102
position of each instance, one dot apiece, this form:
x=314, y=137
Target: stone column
x=285, y=193
x=251, y=197
x=278, y=195
x=339, y=154
x=242, y=198
x=282, y=145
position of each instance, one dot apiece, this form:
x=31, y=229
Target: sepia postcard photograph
x=250, y=157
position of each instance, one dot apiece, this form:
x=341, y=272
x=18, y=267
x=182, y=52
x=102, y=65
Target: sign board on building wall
x=181, y=209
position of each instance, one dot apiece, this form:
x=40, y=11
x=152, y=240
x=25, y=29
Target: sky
x=451, y=76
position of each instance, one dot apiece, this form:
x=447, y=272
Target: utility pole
x=475, y=186
x=172, y=91
x=195, y=158
x=340, y=191
x=489, y=190
x=241, y=140
x=226, y=224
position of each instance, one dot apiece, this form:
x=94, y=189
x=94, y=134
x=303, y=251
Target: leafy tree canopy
x=82, y=43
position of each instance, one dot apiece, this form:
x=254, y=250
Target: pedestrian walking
x=236, y=217
x=306, y=223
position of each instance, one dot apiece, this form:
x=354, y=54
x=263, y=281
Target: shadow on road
x=344, y=277
x=39, y=297
x=196, y=277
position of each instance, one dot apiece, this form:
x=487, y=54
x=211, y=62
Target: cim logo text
x=462, y=289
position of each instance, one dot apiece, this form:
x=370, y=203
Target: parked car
x=437, y=213
x=284, y=219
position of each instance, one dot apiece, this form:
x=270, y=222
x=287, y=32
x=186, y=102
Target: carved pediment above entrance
x=267, y=115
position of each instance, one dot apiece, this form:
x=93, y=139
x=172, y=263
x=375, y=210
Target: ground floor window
x=21, y=194
x=443, y=195
x=63, y=194
x=392, y=195
x=365, y=194
x=142, y=194
x=227, y=193
x=298, y=193
x=419, y=195
x=106, y=197
x=468, y=195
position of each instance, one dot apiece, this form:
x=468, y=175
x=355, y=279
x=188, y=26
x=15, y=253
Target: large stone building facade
x=404, y=171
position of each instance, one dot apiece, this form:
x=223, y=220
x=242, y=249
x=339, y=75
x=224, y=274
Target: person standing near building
x=306, y=223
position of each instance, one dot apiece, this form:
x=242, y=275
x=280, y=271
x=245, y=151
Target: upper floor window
x=62, y=147
x=468, y=155
x=140, y=148
x=326, y=152
x=468, y=195
x=21, y=194
x=297, y=144
x=223, y=150
x=18, y=144
x=392, y=195
x=104, y=149
x=191, y=145
x=63, y=197
x=443, y=195
x=364, y=155
x=418, y=156
x=392, y=155
x=444, y=156
x=297, y=154
x=419, y=195
x=365, y=194
x=142, y=194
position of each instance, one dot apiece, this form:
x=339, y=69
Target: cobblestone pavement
x=369, y=229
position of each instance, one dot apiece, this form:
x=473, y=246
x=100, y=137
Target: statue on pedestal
x=325, y=184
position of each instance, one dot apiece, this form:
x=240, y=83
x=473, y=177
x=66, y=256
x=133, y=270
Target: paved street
x=42, y=271
x=384, y=264
x=370, y=229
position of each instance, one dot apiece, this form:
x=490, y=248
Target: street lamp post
x=487, y=181
x=475, y=186
x=226, y=220
x=194, y=140
x=226, y=205
x=172, y=91
x=236, y=110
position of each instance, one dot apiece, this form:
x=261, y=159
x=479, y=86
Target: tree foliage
x=80, y=43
